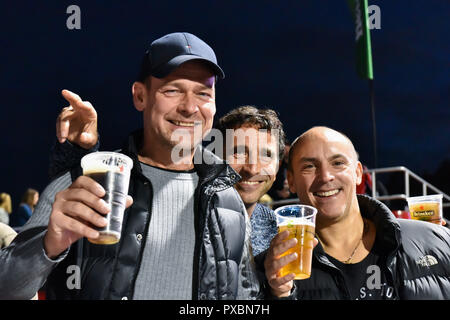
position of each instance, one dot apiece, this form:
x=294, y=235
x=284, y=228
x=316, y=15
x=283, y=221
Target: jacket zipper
x=199, y=237
x=198, y=240
x=389, y=263
x=196, y=262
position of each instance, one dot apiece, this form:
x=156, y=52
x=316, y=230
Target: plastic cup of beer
x=426, y=208
x=112, y=171
x=300, y=221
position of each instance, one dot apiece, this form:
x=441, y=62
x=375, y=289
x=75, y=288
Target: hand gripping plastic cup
x=300, y=221
x=426, y=208
x=111, y=170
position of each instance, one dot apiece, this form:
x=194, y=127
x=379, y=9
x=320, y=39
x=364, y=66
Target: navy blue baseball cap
x=170, y=51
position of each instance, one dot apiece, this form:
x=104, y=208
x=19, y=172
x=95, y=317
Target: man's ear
x=139, y=92
x=290, y=179
x=359, y=173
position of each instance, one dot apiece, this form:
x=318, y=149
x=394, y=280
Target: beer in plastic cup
x=112, y=171
x=300, y=221
x=426, y=208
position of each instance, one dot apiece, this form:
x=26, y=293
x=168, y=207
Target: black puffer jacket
x=416, y=259
x=109, y=272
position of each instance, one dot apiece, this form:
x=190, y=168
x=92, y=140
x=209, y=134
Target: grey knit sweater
x=264, y=228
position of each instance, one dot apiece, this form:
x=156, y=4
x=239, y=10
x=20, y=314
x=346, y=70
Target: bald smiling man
x=364, y=252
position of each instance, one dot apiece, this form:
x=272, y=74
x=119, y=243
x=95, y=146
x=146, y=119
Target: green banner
x=362, y=38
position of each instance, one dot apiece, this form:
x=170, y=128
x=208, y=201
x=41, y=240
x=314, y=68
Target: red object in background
x=41, y=295
x=401, y=214
x=365, y=186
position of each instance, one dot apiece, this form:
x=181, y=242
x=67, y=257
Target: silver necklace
x=365, y=229
x=366, y=226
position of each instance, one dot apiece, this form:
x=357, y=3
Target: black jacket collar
x=388, y=229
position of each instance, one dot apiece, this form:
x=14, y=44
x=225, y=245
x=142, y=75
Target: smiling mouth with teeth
x=324, y=194
x=184, y=124
x=250, y=182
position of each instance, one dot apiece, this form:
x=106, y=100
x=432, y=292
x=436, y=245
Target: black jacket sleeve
x=64, y=156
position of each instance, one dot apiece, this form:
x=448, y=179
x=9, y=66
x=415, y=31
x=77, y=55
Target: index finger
x=279, y=237
x=90, y=185
x=71, y=97
x=281, y=244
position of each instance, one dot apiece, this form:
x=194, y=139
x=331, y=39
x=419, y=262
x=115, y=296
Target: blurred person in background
x=5, y=207
x=280, y=188
x=29, y=200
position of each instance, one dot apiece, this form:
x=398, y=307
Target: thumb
x=315, y=242
x=129, y=201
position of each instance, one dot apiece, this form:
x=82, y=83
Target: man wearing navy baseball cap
x=167, y=53
x=184, y=232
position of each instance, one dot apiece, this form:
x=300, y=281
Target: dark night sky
x=293, y=56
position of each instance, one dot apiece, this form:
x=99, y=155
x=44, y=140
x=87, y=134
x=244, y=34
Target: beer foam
x=103, y=161
x=296, y=221
x=100, y=169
